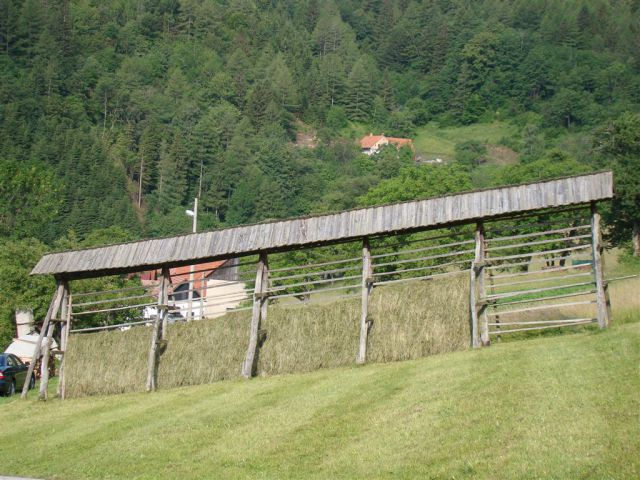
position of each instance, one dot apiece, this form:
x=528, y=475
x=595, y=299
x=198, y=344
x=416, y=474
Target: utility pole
x=192, y=213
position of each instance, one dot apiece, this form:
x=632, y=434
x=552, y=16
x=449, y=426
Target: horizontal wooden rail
x=545, y=271
x=417, y=269
x=128, y=307
x=112, y=300
x=540, y=322
x=501, y=332
x=542, y=299
x=500, y=296
x=527, y=262
x=204, y=288
x=426, y=267
x=537, y=242
x=314, y=274
x=281, y=288
x=537, y=254
x=107, y=292
x=499, y=313
x=425, y=277
x=537, y=234
x=315, y=299
x=422, y=259
x=312, y=265
x=615, y=279
x=240, y=309
x=539, y=280
x=417, y=240
x=423, y=249
x=313, y=292
x=111, y=327
x=217, y=304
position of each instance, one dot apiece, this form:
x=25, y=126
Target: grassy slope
x=558, y=407
x=433, y=141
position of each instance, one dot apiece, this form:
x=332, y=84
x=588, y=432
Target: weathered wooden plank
x=541, y=280
x=158, y=332
x=43, y=393
x=367, y=286
x=541, y=307
x=465, y=207
x=163, y=300
x=259, y=309
x=475, y=273
x=542, y=299
x=51, y=313
x=499, y=296
x=64, y=340
x=602, y=296
x=538, y=234
x=515, y=330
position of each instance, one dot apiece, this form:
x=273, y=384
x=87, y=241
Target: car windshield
x=3, y=360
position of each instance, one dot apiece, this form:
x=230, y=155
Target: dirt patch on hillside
x=306, y=136
x=502, y=155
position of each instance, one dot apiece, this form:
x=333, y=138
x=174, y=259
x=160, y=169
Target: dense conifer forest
x=114, y=116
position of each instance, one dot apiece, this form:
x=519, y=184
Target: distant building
x=371, y=144
x=216, y=288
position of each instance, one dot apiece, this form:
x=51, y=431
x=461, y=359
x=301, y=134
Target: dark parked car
x=13, y=374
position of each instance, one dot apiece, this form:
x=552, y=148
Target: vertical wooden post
x=157, y=332
x=52, y=312
x=475, y=274
x=43, y=394
x=481, y=256
x=367, y=286
x=163, y=299
x=259, y=312
x=602, y=294
x=65, y=326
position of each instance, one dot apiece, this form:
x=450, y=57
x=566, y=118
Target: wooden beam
x=481, y=259
x=52, y=312
x=64, y=339
x=43, y=394
x=475, y=275
x=260, y=302
x=163, y=299
x=367, y=286
x=602, y=294
x=157, y=333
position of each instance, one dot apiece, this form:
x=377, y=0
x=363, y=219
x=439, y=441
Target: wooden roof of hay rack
x=326, y=229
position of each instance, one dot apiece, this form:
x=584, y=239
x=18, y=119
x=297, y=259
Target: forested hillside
x=115, y=115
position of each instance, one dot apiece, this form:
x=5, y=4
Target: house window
x=181, y=293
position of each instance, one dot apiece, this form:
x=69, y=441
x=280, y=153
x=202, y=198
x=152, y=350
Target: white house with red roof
x=216, y=289
x=371, y=144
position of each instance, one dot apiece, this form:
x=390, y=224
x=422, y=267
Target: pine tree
x=172, y=184
x=359, y=95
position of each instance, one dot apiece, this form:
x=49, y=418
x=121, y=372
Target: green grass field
x=433, y=141
x=558, y=407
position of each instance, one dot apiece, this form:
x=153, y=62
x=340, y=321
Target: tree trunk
x=635, y=236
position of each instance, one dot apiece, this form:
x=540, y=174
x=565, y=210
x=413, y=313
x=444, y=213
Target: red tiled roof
x=399, y=142
x=370, y=140
x=181, y=274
